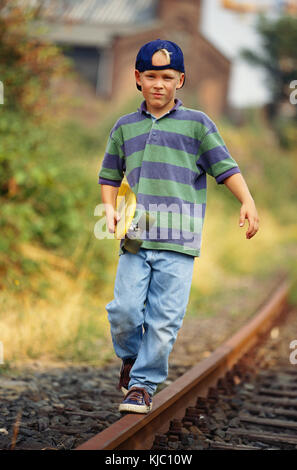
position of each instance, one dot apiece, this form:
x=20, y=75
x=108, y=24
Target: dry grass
x=50, y=328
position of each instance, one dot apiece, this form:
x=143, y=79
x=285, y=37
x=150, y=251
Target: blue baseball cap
x=146, y=52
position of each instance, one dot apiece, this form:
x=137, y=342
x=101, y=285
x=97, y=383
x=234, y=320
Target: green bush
x=43, y=199
x=286, y=132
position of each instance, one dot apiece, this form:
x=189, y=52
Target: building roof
x=91, y=22
x=104, y=12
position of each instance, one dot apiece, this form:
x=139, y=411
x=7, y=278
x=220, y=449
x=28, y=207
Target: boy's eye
x=164, y=78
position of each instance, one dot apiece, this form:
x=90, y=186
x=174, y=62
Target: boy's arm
x=110, y=177
x=109, y=197
x=237, y=185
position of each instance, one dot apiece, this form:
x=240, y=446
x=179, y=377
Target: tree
x=279, y=59
x=35, y=205
x=27, y=65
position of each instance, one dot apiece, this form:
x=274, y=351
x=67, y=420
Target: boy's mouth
x=157, y=95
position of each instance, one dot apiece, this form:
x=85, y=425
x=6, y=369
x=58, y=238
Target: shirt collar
x=143, y=108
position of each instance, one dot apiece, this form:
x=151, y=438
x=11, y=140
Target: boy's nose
x=158, y=84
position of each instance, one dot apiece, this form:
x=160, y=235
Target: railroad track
x=233, y=399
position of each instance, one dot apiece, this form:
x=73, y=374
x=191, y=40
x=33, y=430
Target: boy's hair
x=166, y=53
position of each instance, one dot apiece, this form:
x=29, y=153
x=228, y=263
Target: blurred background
x=67, y=73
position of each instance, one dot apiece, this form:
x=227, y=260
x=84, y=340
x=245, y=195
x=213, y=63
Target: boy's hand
x=112, y=218
x=248, y=211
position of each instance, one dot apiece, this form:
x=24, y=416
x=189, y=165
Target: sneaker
x=124, y=375
x=137, y=400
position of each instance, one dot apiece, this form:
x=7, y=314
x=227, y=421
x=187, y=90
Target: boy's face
x=159, y=86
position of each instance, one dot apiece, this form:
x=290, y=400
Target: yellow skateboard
x=126, y=207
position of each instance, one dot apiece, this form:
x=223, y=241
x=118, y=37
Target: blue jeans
x=151, y=294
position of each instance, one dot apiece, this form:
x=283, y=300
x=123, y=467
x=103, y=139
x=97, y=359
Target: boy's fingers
x=113, y=221
x=253, y=228
x=241, y=219
x=256, y=227
x=111, y=227
x=117, y=216
x=110, y=223
x=112, y=218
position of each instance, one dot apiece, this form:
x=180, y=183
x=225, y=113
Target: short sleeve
x=214, y=157
x=113, y=164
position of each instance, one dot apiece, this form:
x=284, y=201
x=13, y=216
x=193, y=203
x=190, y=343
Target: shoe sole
x=135, y=408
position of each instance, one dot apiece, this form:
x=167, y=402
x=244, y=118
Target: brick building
x=103, y=38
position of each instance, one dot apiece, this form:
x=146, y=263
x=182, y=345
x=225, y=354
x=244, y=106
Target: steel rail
x=136, y=431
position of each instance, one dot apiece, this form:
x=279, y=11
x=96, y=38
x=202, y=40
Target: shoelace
x=136, y=393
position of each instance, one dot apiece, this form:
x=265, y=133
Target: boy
x=165, y=150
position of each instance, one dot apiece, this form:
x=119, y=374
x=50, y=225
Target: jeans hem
x=149, y=390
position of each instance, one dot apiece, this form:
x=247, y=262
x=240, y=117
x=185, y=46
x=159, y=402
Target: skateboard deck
x=125, y=206
x=131, y=232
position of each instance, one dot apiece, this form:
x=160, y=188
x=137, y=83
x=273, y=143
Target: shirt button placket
x=154, y=133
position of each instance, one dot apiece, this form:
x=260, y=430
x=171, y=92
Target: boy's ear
x=137, y=77
x=181, y=81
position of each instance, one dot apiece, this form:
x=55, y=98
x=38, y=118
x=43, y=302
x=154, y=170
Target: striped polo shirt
x=166, y=161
